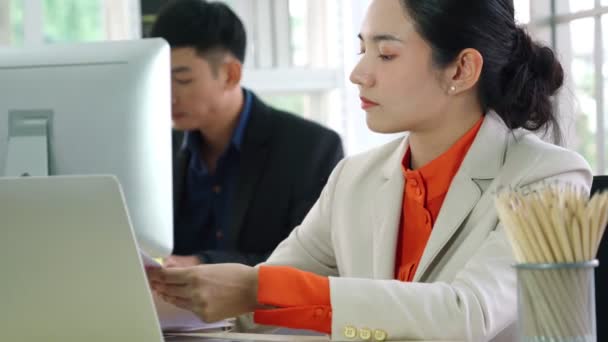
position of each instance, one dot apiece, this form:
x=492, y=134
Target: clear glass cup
x=556, y=302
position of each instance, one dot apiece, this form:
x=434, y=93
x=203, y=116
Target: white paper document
x=148, y=260
x=174, y=319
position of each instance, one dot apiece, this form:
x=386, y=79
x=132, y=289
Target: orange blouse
x=303, y=299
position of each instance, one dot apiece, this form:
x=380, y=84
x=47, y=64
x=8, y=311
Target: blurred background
x=301, y=52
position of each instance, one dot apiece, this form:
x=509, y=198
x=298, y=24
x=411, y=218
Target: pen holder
x=556, y=302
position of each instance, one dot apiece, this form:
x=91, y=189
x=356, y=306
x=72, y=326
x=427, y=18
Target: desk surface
x=238, y=337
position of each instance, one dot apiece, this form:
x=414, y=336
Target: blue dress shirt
x=209, y=197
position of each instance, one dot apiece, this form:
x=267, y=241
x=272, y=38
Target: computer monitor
x=94, y=108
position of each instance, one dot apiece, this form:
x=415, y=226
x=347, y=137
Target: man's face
x=197, y=91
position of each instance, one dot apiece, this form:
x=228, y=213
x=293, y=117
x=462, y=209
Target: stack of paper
x=174, y=319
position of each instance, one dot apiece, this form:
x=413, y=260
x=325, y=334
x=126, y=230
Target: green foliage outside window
x=293, y=103
x=586, y=137
x=16, y=18
x=63, y=20
x=73, y=20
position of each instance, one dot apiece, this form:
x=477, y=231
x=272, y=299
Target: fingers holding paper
x=181, y=261
x=212, y=292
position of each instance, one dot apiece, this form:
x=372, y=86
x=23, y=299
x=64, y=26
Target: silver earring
x=452, y=89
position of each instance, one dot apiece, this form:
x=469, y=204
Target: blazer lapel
x=254, y=154
x=251, y=169
x=461, y=198
x=180, y=162
x=483, y=161
x=387, y=215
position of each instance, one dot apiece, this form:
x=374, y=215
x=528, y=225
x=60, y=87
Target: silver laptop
x=69, y=264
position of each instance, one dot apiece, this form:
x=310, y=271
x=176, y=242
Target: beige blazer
x=465, y=286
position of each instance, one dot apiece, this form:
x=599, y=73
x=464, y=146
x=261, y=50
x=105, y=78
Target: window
x=580, y=83
x=11, y=22
x=30, y=22
x=522, y=11
x=573, y=6
x=72, y=21
x=578, y=31
x=16, y=19
x=300, y=57
x=299, y=53
x=294, y=103
x=294, y=56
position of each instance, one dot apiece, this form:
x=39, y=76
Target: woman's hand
x=212, y=292
x=181, y=261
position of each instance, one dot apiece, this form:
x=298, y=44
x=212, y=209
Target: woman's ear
x=464, y=72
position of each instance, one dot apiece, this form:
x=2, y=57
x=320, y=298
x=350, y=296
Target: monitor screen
x=94, y=108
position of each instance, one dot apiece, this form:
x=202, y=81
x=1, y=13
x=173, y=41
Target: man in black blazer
x=245, y=174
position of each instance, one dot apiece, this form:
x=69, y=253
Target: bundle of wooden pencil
x=560, y=227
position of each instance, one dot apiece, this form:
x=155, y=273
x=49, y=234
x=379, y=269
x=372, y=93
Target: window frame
x=268, y=65
x=545, y=15
x=121, y=20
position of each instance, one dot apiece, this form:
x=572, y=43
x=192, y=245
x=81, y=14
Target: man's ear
x=464, y=72
x=233, y=70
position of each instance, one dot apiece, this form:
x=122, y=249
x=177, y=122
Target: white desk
x=239, y=337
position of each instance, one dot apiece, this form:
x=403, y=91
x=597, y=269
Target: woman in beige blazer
x=433, y=69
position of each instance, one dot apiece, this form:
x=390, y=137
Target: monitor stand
x=28, y=136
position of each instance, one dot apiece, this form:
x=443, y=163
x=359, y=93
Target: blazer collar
x=487, y=153
x=392, y=165
x=483, y=161
x=254, y=155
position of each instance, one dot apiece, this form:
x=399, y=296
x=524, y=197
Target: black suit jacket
x=285, y=162
x=600, y=183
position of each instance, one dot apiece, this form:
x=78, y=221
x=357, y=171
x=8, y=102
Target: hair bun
x=548, y=68
x=529, y=79
x=540, y=61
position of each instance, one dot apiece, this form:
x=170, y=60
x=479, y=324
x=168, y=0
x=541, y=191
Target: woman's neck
x=427, y=145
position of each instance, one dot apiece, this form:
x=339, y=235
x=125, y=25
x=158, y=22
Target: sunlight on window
x=570, y=6
x=522, y=11
x=16, y=12
x=11, y=25
x=576, y=47
x=294, y=103
x=582, y=36
x=580, y=5
x=315, y=33
x=298, y=13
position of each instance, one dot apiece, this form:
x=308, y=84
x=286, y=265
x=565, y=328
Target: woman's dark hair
x=205, y=26
x=519, y=76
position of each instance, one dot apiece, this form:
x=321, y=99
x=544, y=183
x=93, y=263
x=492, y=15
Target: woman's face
x=400, y=88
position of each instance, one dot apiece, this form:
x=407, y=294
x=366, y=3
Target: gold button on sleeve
x=380, y=335
x=365, y=334
x=350, y=331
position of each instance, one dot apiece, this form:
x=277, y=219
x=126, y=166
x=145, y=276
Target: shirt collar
x=193, y=139
x=438, y=174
